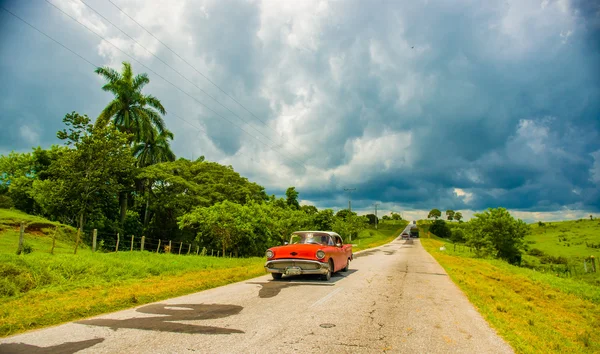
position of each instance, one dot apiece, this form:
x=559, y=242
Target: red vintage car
x=309, y=252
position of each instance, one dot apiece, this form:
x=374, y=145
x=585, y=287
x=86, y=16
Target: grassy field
x=535, y=312
x=385, y=233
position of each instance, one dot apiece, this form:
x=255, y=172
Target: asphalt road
x=395, y=298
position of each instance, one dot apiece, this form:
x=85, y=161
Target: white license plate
x=293, y=270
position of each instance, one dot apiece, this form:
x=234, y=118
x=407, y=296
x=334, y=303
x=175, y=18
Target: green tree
x=349, y=227
x=344, y=214
x=372, y=219
x=396, y=216
x=89, y=172
x=292, y=198
x=496, y=232
x=458, y=216
x=309, y=209
x=450, y=214
x=154, y=149
x=434, y=213
x=131, y=111
x=323, y=220
x=440, y=229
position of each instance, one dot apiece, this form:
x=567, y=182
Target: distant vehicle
x=309, y=252
x=414, y=232
x=405, y=235
x=414, y=222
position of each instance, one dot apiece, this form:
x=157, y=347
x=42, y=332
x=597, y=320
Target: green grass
x=534, y=312
x=385, y=233
x=566, y=238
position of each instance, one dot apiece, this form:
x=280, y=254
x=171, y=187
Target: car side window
x=330, y=242
x=338, y=239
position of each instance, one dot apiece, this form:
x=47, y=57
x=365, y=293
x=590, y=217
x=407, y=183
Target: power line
x=184, y=77
x=95, y=66
x=198, y=71
x=164, y=79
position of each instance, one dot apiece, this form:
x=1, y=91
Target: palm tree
x=155, y=149
x=131, y=111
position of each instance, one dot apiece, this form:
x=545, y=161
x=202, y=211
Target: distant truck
x=414, y=232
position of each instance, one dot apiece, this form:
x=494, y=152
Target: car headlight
x=320, y=254
x=270, y=254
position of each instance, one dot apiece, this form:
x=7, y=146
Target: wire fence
x=115, y=242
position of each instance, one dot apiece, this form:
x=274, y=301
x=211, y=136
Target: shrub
x=536, y=252
x=440, y=229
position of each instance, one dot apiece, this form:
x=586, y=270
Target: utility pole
x=376, y=204
x=349, y=190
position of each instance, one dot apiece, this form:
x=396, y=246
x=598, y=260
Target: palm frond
x=155, y=103
x=140, y=81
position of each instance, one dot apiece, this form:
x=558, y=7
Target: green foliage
x=450, y=214
x=458, y=236
x=292, y=198
x=458, y=216
x=6, y=201
x=324, y=220
x=440, y=229
x=131, y=111
x=396, y=216
x=372, y=219
x=349, y=227
x=344, y=214
x=496, y=232
x=85, y=176
x=434, y=213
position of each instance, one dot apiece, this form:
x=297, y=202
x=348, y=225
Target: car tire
x=347, y=266
x=327, y=276
x=276, y=276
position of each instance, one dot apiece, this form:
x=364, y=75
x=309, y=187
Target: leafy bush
x=536, y=252
x=440, y=229
x=6, y=202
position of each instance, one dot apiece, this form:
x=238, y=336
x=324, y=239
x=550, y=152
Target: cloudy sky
x=415, y=104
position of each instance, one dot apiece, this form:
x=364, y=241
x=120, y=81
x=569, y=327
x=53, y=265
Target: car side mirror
x=286, y=243
x=338, y=244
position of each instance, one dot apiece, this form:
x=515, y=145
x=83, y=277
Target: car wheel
x=276, y=276
x=347, y=266
x=329, y=272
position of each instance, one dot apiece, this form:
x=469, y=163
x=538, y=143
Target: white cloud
x=31, y=135
x=595, y=170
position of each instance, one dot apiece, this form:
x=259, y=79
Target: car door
x=341, y=258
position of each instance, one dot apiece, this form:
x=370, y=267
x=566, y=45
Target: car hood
x=300, y=251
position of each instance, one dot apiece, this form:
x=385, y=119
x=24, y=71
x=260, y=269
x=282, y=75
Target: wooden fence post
x=218, y=253
x=170, y=249
x=180, y=244
x=21, y=236
x=593, y=263
x=157, y=248
x=189, y=248
x=94, y=238
x=211, y=252
x=53, y=240
x=143, y=239
x=117, y=246
x=131, y=243
x=197, y=250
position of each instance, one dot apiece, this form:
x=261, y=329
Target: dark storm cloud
x=462, y=105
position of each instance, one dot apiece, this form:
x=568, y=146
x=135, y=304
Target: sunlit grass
x=385, y=233
x=534, y=312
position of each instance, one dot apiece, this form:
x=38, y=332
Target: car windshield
x=310, y=238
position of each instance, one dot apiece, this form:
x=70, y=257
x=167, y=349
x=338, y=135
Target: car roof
x=330, y=233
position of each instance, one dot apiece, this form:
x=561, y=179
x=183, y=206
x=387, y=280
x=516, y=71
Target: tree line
x=493, y=232
x=119, y=174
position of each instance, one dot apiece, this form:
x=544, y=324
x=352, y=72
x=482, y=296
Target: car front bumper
x=296, y=266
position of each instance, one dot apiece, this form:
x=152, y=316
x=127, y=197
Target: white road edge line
x=326, y=297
